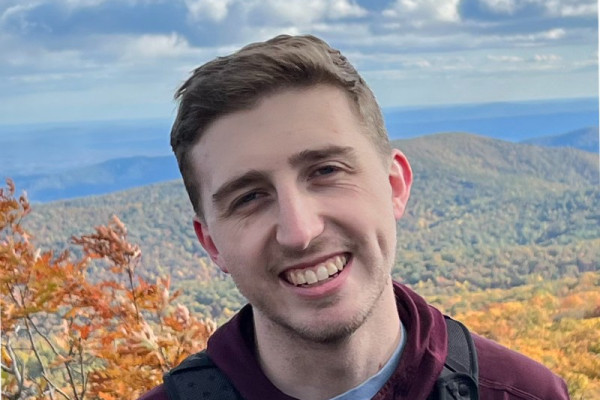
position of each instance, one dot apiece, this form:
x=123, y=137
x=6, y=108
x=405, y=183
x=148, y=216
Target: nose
x=299, y=221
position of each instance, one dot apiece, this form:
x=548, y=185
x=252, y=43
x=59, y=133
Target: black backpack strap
x=459, y=379
x=198, y=378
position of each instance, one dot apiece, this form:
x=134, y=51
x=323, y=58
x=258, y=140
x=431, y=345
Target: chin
x=324, y=328
x=328, y=334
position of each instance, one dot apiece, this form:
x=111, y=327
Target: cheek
x=241, y=248
x=377, y=215
x=377, y=201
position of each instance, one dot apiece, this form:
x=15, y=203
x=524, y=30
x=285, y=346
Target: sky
x=82, y=60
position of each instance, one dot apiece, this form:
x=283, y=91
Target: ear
x=400, y=176
x=207, y=243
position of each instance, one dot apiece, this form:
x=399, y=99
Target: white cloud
x=343, y=35
x=254, y=34
x=277, y=11
x=297, y=11
x=546, y=57
x=418, y=63
x=588, y=63
x=215, y=10
x=519, y=40
x=83, y=3
x=22, y=57
x=305, y=11
x=17, y=14
x=509, y=59
x=344, y=9
x=72, y=5
x=112, y=56
x=553, y=34
x=556, y=8
x=39, y=55
x=44, y=77
x=501, y=6
x=421, y=12
x=571, y=8
x=16, y=10
x=154, y=46
x=581, y=10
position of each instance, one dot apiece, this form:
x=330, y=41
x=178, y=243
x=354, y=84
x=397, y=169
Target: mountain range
x=483, y=211
x=128, y=172
x=584, y=139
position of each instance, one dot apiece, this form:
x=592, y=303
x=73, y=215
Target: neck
x=315, y=371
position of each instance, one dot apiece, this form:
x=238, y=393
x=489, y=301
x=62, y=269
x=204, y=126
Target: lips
x=305, y=277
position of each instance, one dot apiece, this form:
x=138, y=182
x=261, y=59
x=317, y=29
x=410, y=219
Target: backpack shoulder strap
x=459, y=379
x=198, y=378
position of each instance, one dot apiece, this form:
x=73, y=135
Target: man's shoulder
x=158, y=393
x=506, y=372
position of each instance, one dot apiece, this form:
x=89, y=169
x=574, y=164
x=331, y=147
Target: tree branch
x=84, y=379
x=15, y=368
x=131, y=273
x=9, y=396
x=46, y=339
x=39, y=358
x=54, y=387
x=67, y=365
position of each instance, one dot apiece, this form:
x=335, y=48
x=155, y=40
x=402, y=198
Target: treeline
x=90, y=326
x=491, y=241
x=68, y=335
x=554, y=322
x=482, y=211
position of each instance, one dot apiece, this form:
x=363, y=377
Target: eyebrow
x=237, y=183
x=253, y=177
x=310, y=156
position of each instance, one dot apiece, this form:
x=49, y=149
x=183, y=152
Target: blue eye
x=326, y=170
x=246, y=199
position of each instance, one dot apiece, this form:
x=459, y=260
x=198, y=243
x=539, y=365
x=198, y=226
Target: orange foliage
x=65, y=336
x=561, y=331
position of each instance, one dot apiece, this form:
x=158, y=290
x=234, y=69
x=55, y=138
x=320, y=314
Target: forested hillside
x=555, y=322
x=504, y=236
x=493, y=213
x=482, y=210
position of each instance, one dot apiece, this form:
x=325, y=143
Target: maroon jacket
x=503, y=373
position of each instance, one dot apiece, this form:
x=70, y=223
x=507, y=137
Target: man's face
x=301, y=210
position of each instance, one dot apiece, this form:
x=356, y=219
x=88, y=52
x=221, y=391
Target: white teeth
x=331, y=268
x=322, y=273
x=311, y=277
x=300, y=279
x=292, y=278
x=339, y=263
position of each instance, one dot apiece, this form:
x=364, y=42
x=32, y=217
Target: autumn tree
x=554, y=322
x=68, y=336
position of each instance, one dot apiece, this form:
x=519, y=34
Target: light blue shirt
x=371, y=386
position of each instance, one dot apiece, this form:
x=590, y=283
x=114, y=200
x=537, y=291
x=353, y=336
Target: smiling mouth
x=304, y=277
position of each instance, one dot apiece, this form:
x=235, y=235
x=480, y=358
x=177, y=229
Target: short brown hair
x=237, y=82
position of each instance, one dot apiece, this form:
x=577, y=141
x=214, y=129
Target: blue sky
x=77, y=60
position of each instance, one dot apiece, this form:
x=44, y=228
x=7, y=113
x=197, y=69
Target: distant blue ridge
x=515, y=121
x=64, y=160
x=106, y=177
x=583, y=139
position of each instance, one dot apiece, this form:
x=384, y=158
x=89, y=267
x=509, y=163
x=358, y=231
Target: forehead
x=264, y=137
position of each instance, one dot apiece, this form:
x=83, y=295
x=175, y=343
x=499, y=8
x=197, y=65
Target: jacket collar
x=231, y=348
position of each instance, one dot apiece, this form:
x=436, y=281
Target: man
x=296, y=191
